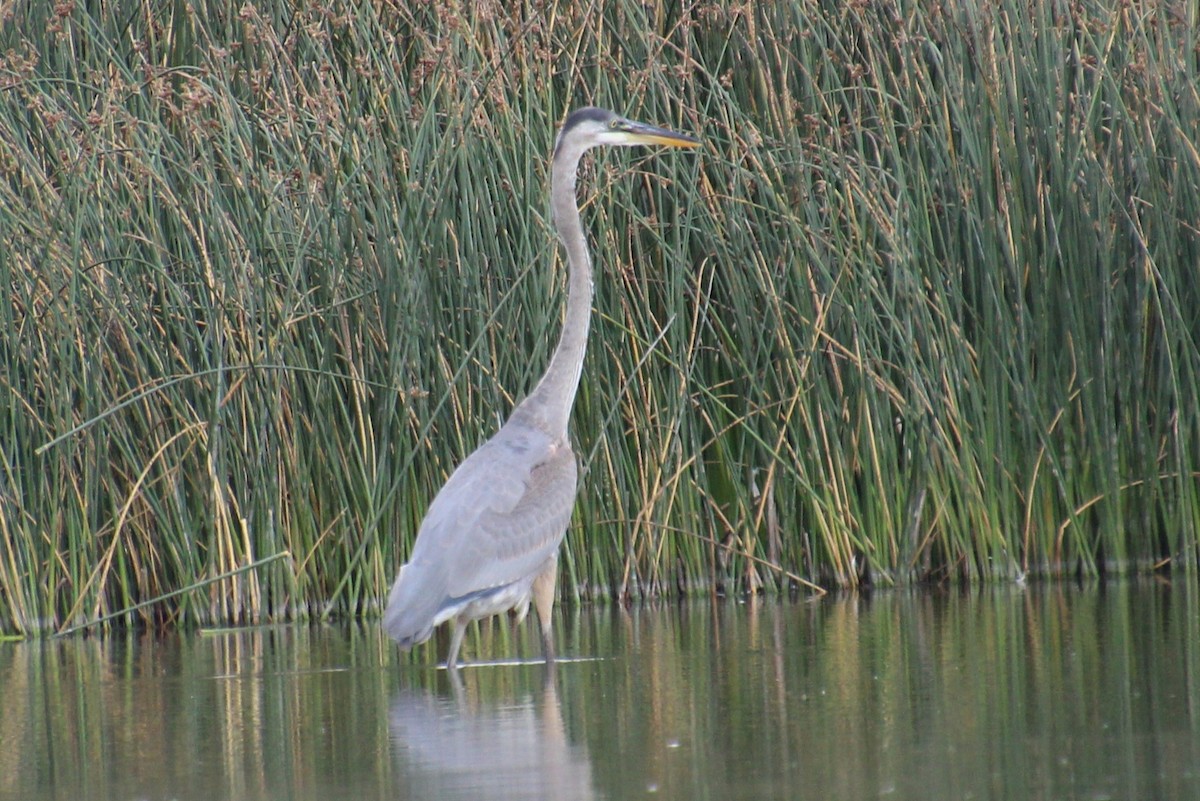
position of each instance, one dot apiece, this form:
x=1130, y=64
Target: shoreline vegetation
x=926, y=308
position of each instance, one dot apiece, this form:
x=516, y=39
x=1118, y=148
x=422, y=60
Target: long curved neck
x=549, y=405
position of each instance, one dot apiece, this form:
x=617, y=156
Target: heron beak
x=639, y=133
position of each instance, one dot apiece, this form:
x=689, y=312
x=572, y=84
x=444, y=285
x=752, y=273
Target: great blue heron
x=489, y=542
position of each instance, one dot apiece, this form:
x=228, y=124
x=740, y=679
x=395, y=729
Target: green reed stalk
x=922, y=308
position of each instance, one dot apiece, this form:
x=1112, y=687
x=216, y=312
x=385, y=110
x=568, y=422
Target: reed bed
x=924, y=308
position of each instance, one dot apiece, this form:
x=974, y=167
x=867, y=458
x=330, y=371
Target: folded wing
x=495, y=523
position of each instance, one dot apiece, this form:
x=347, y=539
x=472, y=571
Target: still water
x=1056, y=692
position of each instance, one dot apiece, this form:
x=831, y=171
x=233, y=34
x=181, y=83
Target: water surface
x=1041, y=692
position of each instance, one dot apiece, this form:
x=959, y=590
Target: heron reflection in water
x=476, y=745
x=489, y=541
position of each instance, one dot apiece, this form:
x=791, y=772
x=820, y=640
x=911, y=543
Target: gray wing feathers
x=512, y=543
x=496, y=521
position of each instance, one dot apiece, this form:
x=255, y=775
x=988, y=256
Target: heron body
x=489, y=541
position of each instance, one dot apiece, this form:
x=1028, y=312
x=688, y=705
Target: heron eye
x=614, y=124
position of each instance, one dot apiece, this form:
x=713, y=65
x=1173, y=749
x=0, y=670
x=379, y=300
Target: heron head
x=592, y=127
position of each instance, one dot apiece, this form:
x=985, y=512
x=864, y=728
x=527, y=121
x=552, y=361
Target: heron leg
x=459, y=628
x=543, y=600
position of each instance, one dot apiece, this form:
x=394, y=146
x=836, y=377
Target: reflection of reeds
x=1009, y=691
x=256, y=713
x=927, y=297
x=718, y=698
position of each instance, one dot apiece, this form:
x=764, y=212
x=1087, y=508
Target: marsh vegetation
x=924, y=308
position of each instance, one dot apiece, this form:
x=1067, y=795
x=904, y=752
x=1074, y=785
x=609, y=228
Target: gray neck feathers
x=549, y=405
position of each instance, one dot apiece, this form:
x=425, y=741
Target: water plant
x=923, y=310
